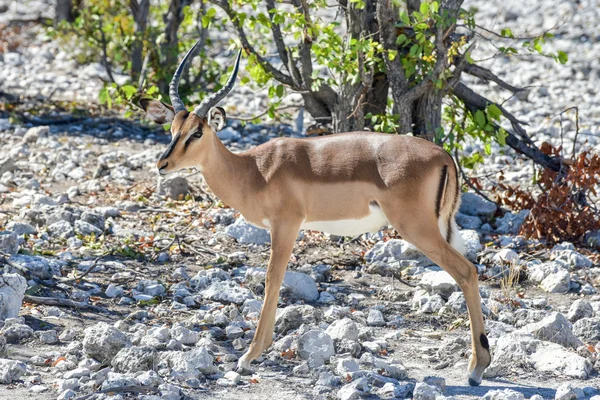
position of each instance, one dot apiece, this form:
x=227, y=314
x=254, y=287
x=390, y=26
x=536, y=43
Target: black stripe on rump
x=440, y=191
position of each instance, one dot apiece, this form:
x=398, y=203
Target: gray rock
x=439, y=282
x=375, y=318
x=316, y=346
x=243, y=232
x=184, y=335
x=151, y=288
x=346, y=366
x=511, y=223
x=517, y=349
x=572, y=259
x=468, y=221
x=557, y=282
x=353, y=390
x=35, y=133
x=11, y=370
x=554, y=328
x=475, y=205
x=189, y=364
x=62, y=229
x=103, y=341
x=134, y=359
x=457, y=303
x=174, y=188
x=343, y=329
x=15, y=330
x=115, y=380
x=566, y=391
x=21, y=228
x=580, y=308
x=292, y=317
x=12, y=290
x=7, y=164
x=9, y=242
x=471, y=244
x=587, y=329
x=47, y=337
x=93, y=218
x=300, y=286
x=396, y=250
x=424, y=391
x=227, y=292
x=86, y=229
x=39, y=267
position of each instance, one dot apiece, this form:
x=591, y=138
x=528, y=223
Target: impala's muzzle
x=162, y=162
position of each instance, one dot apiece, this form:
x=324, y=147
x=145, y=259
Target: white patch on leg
x=456, y=239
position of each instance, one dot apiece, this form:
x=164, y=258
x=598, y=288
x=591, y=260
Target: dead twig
x=53, y=301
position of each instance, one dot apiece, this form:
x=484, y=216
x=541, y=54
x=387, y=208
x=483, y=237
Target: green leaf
x=211, y=12
x=487, y=148
x=279, y=90
x=494, y=112
x=480, y=118
x=129, y=91
x=424, y=8
x=401, y=39
x=562, y=57
x=507, y=33
x=501, y=135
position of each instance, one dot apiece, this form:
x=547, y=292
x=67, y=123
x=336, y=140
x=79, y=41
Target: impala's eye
x=197, y=135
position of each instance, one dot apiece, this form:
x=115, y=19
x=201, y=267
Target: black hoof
x=243, y=371
x=473, y=382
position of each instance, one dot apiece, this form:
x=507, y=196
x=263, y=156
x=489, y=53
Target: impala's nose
x=162, y=166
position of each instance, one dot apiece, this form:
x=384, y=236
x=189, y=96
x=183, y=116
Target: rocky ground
x=136, y=287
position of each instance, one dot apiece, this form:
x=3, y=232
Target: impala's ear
x=157, y=111
x=217, y=118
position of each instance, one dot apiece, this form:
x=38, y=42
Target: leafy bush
x=143, y=40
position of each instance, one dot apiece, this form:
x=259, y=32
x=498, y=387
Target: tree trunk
x=427, y=114
x=169, y=47
x=140, y=10
x=63, y=11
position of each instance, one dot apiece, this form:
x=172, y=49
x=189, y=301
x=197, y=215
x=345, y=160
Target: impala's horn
x=213, y=100
x=174, y=85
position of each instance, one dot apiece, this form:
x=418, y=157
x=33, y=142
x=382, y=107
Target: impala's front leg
x=283, y=237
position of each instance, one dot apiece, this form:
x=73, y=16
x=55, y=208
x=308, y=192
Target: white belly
x=350, y=227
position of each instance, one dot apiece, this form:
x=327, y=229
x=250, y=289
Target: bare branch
x=277, y=74
x=277, y=36
x=487, y=75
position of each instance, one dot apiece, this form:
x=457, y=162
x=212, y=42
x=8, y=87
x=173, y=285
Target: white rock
x=580, y=308
x=475, y=205
x=184, y=335
x=375, y=318
x=554, y=328
x=12, y=291
x=11, y=370
x=9, y=242
x=134, y=359
x=243, y=232
x=507, y=256
x=189, y=364
x=315, y=344
x=557, y=282
x=346, y=366
x=233, y=377
x=113, y=291
x=103, y=341
x=301, y=286
x=228, y=291
x=423, y=391
x=506, y=394
x=343, y=329
x=471, y=244
x=439, y=282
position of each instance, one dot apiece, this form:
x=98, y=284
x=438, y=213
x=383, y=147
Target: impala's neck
x=227, y=174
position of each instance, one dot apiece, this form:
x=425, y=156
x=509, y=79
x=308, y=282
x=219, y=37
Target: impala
x=344, y=184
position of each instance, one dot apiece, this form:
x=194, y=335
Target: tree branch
x=277, y=74
x=475, y=102
x=487, y=75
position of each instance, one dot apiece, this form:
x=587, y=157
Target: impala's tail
x=447, y=204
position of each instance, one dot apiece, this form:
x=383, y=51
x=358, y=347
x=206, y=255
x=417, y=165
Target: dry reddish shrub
x=567, y=207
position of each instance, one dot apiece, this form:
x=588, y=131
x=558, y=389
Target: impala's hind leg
x=283, y=237
x=424, y=233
